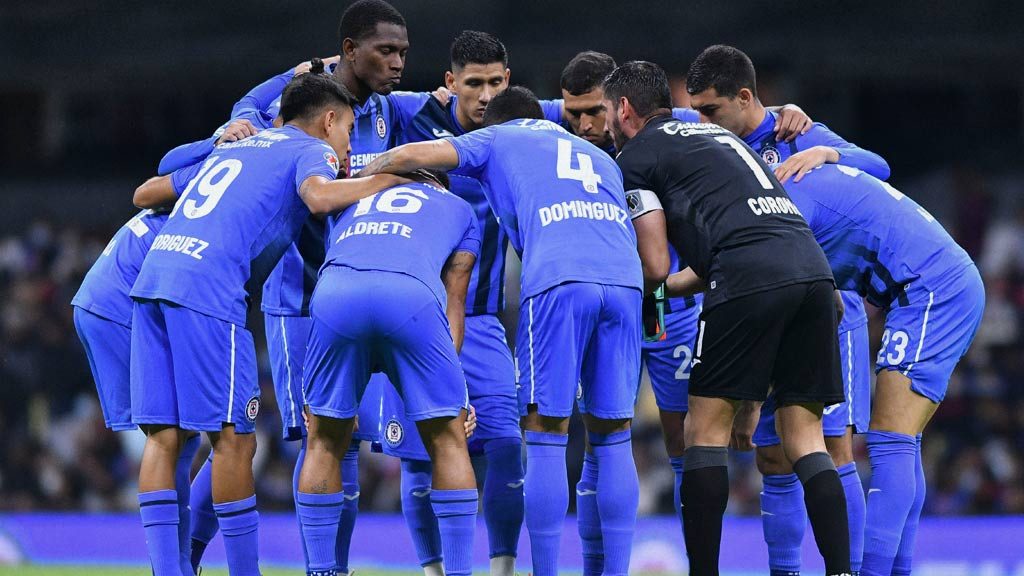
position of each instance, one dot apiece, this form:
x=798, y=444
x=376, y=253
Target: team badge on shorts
x=771, y=155
x=332, y=161
x=393, y=433
x=382, y=126
x=252, y=408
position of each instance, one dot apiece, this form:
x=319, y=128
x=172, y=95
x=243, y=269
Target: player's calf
x=320, y=499
x=618, y=489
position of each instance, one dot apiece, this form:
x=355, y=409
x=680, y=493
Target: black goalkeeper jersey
x=727, y=215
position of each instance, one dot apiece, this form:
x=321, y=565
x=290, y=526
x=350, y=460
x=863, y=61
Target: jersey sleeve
x=686, y=115
x=849, y=154
x=407, y=104
x=636, y=172
x=187, y=154
x=552, y=110
x=473, y=149
x=180, y=178
x=471, y=237
x=316, y=159
x=259, y=99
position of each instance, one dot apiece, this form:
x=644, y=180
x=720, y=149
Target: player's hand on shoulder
x=237, y=130
x=799, y=164
x=744, y=425
x=792, y=122
x=471, y=422
x=304, y=67
x=442, y=95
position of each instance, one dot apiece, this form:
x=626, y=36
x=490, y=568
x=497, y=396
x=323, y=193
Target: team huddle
x=728, y=248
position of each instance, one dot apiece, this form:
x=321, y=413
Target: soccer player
x=193, y=360
x=885, y=247
x=479, y=71
x=103, y=320
x=391, y=296
x=768, y=316
x=559, y=200
x=668, y=358
x=723, y=86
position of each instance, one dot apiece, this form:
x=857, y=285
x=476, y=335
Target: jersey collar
x=457, y=128
x=766, y=127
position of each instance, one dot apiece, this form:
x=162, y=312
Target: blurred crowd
x=55, y=453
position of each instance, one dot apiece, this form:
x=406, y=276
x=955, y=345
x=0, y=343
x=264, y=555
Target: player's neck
x=754, y=117
x=349, y=80
x=465, y=122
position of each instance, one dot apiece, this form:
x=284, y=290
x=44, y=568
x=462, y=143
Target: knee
x=840, y=449
x=771, y=461
x=603, y=426
x=232, y=445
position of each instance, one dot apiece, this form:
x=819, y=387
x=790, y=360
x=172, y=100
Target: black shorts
x=784, y=338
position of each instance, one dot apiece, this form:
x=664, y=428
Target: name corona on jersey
x=582, y=209
x=187, y=245
x=691, y=129
x=772, y=205
x=378, y=228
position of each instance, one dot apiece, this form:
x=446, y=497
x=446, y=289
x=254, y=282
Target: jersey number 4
x=585, y=173
x=211, y=182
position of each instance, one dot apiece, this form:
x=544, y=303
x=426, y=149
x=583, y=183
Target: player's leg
x=925, y=335
x=783, y=515
x=154, y=408
x=554, y=329
x=490, y=378
x=350, y=507
x=422, y=364
x=335, y=376
x=609, y=373
x=807, y=376
x=840, y=448
x=202, y=520
x=737, y=342
x=588, y=517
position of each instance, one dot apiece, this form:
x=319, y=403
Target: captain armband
x=641, y=202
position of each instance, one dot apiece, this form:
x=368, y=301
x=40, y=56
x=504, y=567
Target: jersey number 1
x=748, y=159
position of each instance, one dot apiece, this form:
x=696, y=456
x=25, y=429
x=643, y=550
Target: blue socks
x=677, y=463
x=456, y=521
x=588, y=519
x=350, y=507
x=203, y=520
x=182, y=477
x=239, y=522
x=905, y=554
x=783, y=519
x=547, y=498
x=618, y=496
x=894, y=459
x=319, y=515
x=418, y=512
x=856, y=510
x=159, y=512
x=503, y=495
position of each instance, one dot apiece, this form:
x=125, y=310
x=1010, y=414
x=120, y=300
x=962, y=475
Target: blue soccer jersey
x=425, y=118
x=559, y=198
x=105, y=288
x=237, y=214
x=409, y=229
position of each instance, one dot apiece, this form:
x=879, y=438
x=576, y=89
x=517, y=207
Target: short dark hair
x=360, y=19
x=511, y=104
x=308, y=94
x=644, y=84
x=586, y=71
x=475, y=47
x=430, y=176
x=724, y=68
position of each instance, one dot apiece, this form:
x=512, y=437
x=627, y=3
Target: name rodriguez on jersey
x=187, y=245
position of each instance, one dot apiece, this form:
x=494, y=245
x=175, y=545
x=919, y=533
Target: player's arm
x=820, y=146
x=455, y=277
x=437, y=154
x=651, y=236
x=324, y=197
x=684, y=283
x=157, y=192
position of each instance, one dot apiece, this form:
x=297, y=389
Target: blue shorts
x=490, y=377
x=191, y=370
x=371, y=408
x=287, y=337
x=580, y=335
x=925, y=338
x=668, y=361
x=855, y=358
x=108, y=345
x=369, y=321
